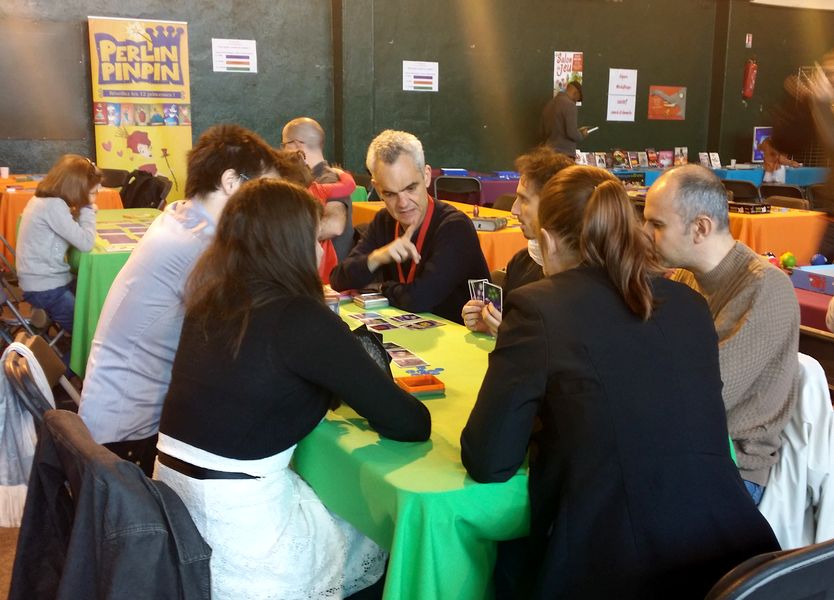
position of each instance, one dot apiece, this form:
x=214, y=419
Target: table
x=782, y=230
x=492, y=185
x=498, y=246
x=12, y=203
x=812, y=308
x=96, y=271
x=801, y=176
x=415, y=499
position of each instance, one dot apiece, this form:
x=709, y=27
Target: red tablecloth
x=812, y=308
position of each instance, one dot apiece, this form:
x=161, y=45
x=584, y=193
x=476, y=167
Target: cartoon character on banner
x=139, y=143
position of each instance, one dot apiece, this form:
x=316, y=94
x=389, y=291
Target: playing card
x=494, y=295
x=382, y=326
x=426, y=324
x=365, y=316
x=406, y=318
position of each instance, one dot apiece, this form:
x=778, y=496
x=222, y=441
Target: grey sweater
x=47, y=230
x=756, y=316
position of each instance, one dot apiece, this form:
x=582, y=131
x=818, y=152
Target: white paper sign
x=420, y=76
x=622, y=82
x=234, y=56
x=621, y=108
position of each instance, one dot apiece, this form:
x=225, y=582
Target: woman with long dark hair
x=259, y=362
x=61, y=214
x=610, y=374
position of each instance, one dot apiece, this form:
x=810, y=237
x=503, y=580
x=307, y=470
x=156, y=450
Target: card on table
x=381, y=326
x=406, y=318
x=365, y=316
x=425, y=324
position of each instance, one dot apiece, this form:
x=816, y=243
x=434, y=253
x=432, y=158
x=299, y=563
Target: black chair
x=766, y=190
x=458, y=189
x=362, y=179
x=114, y=178
x=788, y=202
x=19, y=374
x=816, y=193
x=743, y=191
x=504, y=202
x=803, y=574
x=165, y=189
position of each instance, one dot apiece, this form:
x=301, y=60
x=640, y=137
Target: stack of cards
x=402, y=357
x=370, y=300
x=483, y=290
x=376, y=322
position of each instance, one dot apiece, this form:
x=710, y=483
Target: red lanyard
x=421, y=237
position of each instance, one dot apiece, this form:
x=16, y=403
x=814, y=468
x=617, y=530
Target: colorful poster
x=420, y=76
x=141, y=96
x=760, y=134
x=667, y=103
x=567, y=67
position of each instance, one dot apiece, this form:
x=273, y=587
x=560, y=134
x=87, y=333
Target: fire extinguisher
x=749, y=86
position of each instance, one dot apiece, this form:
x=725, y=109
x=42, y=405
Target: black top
x=451, y=255
x=343, y=242
x=521, y=270
x=632, y=489
x=296, y=354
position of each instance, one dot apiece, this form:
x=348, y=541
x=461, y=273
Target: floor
x=8, y=542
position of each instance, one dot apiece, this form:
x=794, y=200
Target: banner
x=567, y=67
x=141, y=96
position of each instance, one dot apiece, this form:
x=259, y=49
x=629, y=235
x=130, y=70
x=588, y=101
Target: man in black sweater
x=535, y=168
x=420, y=253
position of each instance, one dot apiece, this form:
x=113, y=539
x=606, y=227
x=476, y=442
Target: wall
x=294, y=61
x=784, y=39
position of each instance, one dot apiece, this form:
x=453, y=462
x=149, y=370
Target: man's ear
x=228, y=180
x=427, y=175
x=702, y=227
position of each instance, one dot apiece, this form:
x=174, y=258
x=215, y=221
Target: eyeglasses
x=296, y=142
x=243, y=177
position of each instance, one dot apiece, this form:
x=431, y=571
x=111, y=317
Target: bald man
x=307, y=135
x=753, y=305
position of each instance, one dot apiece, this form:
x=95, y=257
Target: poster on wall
x=141, y=96
x=622, y=94
x=760, y=134
x=567, y=67
x=667, y=103
x=420, y=76
x=234, y=56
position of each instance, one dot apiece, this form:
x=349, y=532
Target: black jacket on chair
x=95, y=527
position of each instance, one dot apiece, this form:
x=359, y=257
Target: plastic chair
x=114, y=178
x=743, y=191
x=504, y=202
x=788, y=575
x=766, y=190
x=458, y=189
x=788, y=202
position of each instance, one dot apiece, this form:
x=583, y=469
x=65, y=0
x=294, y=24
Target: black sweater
x=296, y=354
x=451, y=255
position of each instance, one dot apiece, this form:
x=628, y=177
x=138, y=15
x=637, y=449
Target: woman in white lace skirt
x=260, y=360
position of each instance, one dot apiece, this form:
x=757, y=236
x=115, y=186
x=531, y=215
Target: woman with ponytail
x=610, y=374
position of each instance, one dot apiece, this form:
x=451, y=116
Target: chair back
x=504, y=202
x=458, y=189
x=766, y=190
x=114, y=178
x=819, y=344
x=816, y=193
x=743, y=191
x=144, y=190
x=165, y=186
x=800, y=574
x=28, y=380
x=789, y=202
x=360, y=194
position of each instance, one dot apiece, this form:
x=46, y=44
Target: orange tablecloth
x=498, y=246
x=783, y=230
x=13, y=202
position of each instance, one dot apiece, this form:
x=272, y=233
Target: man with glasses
x=306, y=135
x=420, y=253
x=753, y=305
x=133, y=349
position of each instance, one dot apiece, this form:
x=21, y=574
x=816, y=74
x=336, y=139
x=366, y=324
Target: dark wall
x=496, y=72
x=294, y=62
x=784, y=39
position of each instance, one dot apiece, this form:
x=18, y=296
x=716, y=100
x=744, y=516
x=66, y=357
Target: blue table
x=649, y=175
x=801, y=176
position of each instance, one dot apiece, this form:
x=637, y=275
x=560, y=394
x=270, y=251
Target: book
x=665, y=158
x=633, y=160
x=681, y=155
x=620, y=159
x=599, y=157
x=703, y=158
x=651, y=154
x=643, y=159
x=715, y=160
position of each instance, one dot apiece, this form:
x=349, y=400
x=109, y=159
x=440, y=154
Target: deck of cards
x=370, y=300
x=486, y=292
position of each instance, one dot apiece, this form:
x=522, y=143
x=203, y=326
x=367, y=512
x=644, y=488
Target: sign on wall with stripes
x=234, y=56
x=420, y=76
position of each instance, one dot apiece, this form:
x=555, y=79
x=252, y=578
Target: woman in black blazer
x=609, y=372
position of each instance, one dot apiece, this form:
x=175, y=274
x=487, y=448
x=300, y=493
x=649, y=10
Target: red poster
x=667, y=102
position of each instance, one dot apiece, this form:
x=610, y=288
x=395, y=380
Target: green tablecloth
x=96, y=271
x=416, y=499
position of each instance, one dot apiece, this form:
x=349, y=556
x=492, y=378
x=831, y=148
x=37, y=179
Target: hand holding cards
x=486, y=292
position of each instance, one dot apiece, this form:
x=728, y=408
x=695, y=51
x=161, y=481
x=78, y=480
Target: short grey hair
x=390, y=144
x=698, y=191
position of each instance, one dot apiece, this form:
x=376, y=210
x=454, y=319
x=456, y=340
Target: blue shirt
x=130, y=361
